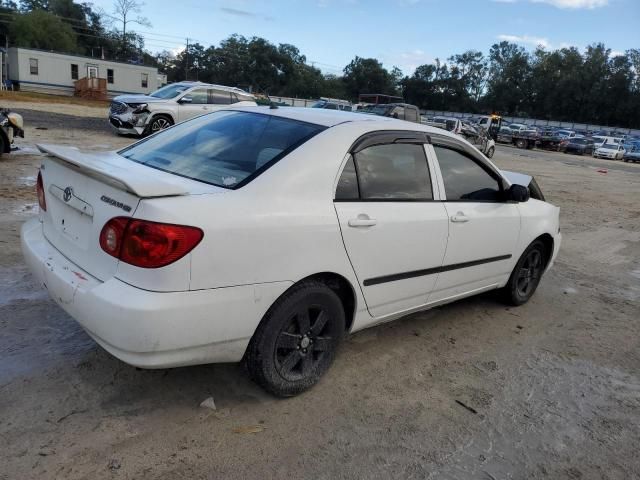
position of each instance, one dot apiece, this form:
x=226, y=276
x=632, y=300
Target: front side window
x=410, y=115
x=398, y=113
x=393, y=172
x=74, y=71
x=110, y=75
x=464, y=179
x=198, y=96
x=144, y=82
x=226, y=148
x=33, y=66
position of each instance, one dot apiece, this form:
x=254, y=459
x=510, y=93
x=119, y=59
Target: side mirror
x=518, y=193
x=185, y=99
x=395, y=114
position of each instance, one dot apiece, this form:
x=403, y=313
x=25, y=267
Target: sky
x=403, y=33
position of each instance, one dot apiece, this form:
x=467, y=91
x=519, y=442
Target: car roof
x=191, y=84
x=320, y=116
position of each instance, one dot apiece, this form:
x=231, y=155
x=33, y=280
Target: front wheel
x=296, y=340
x=526, y=275
x=490, y=152
x=521, y=143
x=159, y=122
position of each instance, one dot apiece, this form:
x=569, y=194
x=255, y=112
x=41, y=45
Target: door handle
x=363, y=220
x=459, y=217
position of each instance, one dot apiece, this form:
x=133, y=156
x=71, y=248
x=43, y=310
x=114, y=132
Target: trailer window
x=109, y=75
x=33, y=66
x=74, y=71
x=145, y=80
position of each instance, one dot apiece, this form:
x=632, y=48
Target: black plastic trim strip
x=430, y=271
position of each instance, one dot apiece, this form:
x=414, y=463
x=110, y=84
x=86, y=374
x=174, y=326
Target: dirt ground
x=472, y=390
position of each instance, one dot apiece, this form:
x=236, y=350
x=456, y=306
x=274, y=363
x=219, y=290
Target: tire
x=490, y=152
x=297, y=340
x=521, y=143
x=526, y=275
x=157, y=123
x=2, y=144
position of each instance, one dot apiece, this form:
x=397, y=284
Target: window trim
x=373, y=139
x=496, y=176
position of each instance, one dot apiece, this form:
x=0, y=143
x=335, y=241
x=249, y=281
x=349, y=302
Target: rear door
x=394, y=232
x=483, y=229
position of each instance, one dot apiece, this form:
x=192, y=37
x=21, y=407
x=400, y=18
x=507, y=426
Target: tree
x=125, y=13
x=367, y=75
x=40, y=29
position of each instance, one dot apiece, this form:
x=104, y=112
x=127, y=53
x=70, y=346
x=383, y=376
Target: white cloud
x=616, y=53
x=575, y=4
x=526, y=40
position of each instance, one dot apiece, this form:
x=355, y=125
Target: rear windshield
x=226, y=149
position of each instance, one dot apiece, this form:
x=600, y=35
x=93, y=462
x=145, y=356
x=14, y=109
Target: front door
x=483, y=229
x=92, y=71
x=193, y=104
x=394, y=232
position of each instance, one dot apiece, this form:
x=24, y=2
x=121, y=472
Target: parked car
x=576, y=145
x=611, y=151
x=177, y=102
x=525, y=138
x=565, y=133
x=401, y=111
x=11, y=126
x=333, y=104
x=632, y=154
x=269, y=234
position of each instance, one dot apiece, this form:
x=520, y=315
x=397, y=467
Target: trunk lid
x=85, y=190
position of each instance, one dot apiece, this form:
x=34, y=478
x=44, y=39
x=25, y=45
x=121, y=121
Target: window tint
x=74, y=71
x=144, y=81
x=464, y=179
x=347, y=188
x=220, y=97
x=394, y=171
x=331, y=106
x=33, y=66
x=109, y=75
x=198, y=96
x=223, y=148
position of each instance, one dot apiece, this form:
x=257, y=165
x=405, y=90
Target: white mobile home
x=55, y=73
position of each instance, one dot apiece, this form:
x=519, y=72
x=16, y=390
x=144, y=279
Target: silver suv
x=146, y=114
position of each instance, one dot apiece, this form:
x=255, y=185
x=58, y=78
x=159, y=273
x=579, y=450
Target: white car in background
x=174, y=103
x=612, y=151
x=267, y=235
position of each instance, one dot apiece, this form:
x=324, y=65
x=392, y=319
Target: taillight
x=148, y=244
x=40, y=191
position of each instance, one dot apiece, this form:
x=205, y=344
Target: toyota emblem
x=68, y=192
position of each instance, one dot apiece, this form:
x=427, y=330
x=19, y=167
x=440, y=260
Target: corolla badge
x=68, y=193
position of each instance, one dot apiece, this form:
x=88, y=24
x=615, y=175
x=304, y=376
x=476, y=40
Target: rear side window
x=347, y=188
x=393, y=172
x=464, y=179
x=227, y=149
x=220, y=98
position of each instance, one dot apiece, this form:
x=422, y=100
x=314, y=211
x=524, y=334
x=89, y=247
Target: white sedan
x=612, y=151
x=267, y=234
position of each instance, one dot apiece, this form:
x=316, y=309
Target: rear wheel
x=526, y=275
x=520, y=143
x=297, y=340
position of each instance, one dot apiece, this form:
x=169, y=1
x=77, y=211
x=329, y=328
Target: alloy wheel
x=529, y=273
x=302, y=344
x=160, y=124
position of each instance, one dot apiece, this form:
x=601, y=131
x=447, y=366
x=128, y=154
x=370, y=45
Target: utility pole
x=186, y=63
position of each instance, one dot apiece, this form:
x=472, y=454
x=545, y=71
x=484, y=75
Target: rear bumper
x=151, y=329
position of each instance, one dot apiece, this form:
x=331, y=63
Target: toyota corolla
x=268, y=234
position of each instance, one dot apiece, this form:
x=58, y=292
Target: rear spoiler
x=109, y=167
